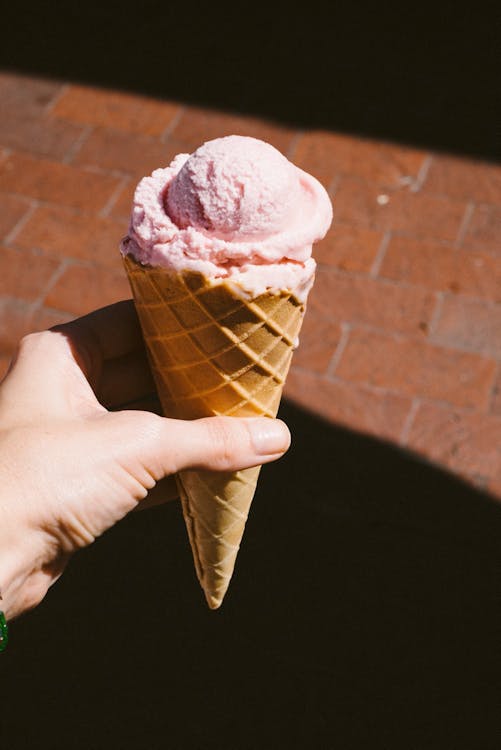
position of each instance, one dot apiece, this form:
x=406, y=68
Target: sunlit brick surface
x=402, y=339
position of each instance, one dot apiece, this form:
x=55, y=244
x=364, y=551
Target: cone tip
x=214, y=602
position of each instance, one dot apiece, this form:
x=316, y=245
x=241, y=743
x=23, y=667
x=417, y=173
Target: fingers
x=42, y=372
x=165, y=491
x=108, y=333
x=115, y=328
x=91, y=342
x=228, y=443
x=167, y=446
x=225, y=445
x=104, y=348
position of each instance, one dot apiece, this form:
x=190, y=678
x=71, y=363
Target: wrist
x=21, y=574
x=14, y=573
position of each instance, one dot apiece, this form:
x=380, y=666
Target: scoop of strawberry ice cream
x=235, y=188
x=236, y=210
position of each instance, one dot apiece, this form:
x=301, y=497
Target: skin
x=81, y=446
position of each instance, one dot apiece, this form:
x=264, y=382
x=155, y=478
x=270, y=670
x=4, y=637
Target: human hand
x=71, y=466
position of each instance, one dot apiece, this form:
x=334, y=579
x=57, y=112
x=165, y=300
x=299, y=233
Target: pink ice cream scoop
x=235, y=210
x=235, y=188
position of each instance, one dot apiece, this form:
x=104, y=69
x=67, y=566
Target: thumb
x=166, y=446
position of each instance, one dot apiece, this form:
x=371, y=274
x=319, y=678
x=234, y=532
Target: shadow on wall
x=363, y=614
x=417, y=73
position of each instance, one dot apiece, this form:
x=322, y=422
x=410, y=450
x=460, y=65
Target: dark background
x=364, y=611
x=419, y=72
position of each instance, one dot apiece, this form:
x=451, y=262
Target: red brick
x=25, y=95
x=25, y=273
x=121, y=208
x=464, y=179
x=56, y=183
x=327, y=155
x=113, y=109
x=46, y=317
x=12, y=209
x=381, y=414
x=126, y=152
x=64, y=233
x=172, y=148
x=318, y=341
x=198, y=125
x=348, y=248
x=37, y=135
x=18, y=317
x=82, y=289
x=494, y=488
x=464, y=442
x=484, y=230
x=442, y=267
x=418, y=214
x=417, y=369
x=469, y=324
x=15, y=321
x=382, y=304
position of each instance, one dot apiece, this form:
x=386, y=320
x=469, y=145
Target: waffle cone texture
x=213, y=352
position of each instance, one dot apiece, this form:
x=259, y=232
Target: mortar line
x=112, y=200
x=341, y=346
x=380, y=254
x=57, y=96
x=53, y=279
x=293, y=144
x=19, y=225
x=382, y=280
x=422, y=174
x=383, y=390
x=470, y=208
x=409, y=420
x=415, y=336
x=435, y=317
x=167, y=132
x=333, y=186
x=77, y=145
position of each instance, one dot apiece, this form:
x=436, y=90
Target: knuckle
x=151, y=425
x=32, y=341
x=224, y=441
x=141, y=424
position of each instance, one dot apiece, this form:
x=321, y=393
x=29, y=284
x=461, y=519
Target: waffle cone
x=213, y=352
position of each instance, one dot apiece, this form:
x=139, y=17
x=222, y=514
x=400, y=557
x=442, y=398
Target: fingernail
x=269, y=436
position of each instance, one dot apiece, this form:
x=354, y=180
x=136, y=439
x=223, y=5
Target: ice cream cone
x=214, y=352
x=218, y=256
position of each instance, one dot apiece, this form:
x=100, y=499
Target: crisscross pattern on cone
x=215, y=508
x=214, y=353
